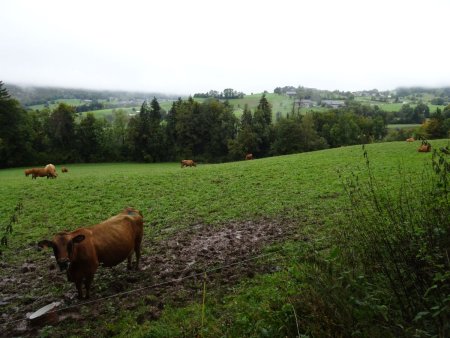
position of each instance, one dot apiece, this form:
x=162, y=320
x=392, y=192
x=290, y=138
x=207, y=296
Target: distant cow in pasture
x=51, y=170
x=109, y=243
x=249, y=157
x=411, y=139
x=39, y=172
x=188, y=163
x=64, y=170
x=425, y=147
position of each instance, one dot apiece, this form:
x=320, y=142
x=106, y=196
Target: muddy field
x=172, y=271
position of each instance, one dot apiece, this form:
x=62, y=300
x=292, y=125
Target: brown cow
x=424, y=148
x=249, y=157
x=51, y=171
x=188, y=163
x=39, y=172
x=411, y=139
x=28, y=172
x=64, y=170
x=110, y=242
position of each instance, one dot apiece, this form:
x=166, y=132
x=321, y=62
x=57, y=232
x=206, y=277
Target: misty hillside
x=33, y=95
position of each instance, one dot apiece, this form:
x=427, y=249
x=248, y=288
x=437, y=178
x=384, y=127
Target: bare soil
x=171, y=272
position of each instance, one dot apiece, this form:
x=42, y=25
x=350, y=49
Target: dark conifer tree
x=61, y=132
x=15, y=131
x=156, y=144
x=262, y=126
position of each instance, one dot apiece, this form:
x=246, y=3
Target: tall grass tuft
x=9, y=227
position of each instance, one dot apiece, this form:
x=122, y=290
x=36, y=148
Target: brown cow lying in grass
x=249, y=157
x=411, y=139
x=64, y=170
x=188, y=163
x=81, y=251
x=425, y=147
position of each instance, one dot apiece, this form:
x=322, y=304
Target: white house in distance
x=333, y=103
x=291, y=94
x=305, y=103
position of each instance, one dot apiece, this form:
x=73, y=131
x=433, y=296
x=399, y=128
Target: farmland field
x=270, y=206
x=54, y=104
x=404, y=126
x=281, y=104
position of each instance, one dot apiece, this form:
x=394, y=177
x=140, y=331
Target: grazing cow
x=411, y=139
x=249, y=157
x=109, y=242
x=64, y=170
x=28, y=172
x=188, y=163
x=51, y=171
x=39, y=172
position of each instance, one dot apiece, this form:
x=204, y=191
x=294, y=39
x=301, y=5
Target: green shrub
x=398, y=242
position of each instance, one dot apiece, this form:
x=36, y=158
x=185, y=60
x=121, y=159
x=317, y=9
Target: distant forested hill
x=33, y=95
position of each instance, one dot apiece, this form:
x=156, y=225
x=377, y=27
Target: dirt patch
x=171, y=272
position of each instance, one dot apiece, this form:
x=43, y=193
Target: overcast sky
x=190, y=46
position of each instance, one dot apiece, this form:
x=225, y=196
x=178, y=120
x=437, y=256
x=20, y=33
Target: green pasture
x=54, y=104
x=403, y=126
x=109, y=112
x=166, y=105
x=395, y=107
x=304, y=188
x=280, y=103
x=171, y=197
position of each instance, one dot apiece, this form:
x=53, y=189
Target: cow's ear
x=78, y=239
x=45, y=244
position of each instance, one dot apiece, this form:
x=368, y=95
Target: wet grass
x=303, y=187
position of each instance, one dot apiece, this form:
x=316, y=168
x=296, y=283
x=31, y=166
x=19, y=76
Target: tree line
x=207, y=132
x=226, y=94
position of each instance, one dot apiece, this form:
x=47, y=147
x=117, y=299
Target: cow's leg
x=129, y=261
x=79, y=284
x=87, y=284
x=137, y=251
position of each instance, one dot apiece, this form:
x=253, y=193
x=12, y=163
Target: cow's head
x=63, y=247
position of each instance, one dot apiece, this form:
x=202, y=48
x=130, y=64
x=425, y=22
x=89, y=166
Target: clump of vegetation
x=9, y=226
x=388, y=270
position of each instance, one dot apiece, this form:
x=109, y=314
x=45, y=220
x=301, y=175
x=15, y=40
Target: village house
x=333, y=103
x=291, y=94
x=305, y=103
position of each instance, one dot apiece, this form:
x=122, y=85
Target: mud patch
x=205, y=247
x=171, y=272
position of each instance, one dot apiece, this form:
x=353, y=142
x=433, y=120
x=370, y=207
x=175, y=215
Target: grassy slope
x=305, y=186
x=208, y=193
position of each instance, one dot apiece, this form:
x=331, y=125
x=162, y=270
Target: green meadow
x=209, y=193
x=302, y=189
